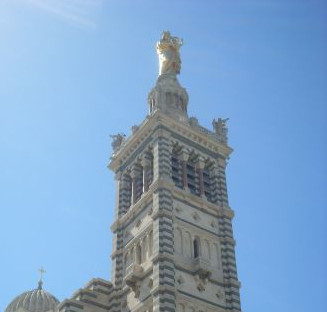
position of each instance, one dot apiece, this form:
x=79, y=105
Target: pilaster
x=221, y=171
x=163, y=238
x=123, y=204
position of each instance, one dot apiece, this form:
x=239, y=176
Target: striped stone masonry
x=216, y=186
x=163, y=237
x=125, y=194
x=171, y=168
x=162, y=157
x=222, y=186
x=92, y=297
x=232, y=284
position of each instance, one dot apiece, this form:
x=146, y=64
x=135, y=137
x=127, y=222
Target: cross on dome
x=41, y=271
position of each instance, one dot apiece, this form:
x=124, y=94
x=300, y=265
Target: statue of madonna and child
x=168, y=53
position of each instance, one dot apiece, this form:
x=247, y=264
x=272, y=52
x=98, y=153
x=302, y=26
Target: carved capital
x=145, y=161
x=184, y=155
x=221, y=162
x=118, y=175
x=200, y=164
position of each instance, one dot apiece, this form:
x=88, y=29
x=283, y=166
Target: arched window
x=196, y=250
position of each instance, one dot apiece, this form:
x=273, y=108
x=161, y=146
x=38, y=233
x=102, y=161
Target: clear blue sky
x=74, y=71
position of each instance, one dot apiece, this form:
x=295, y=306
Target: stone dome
x=37, y=300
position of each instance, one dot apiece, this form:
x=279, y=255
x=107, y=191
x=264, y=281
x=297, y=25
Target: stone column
x=232, y=285
x=123, y=204
x=146, y=164
x=215, y=184
x=134, y=176
x=150, y=244
x=118, y=179
x=183, y=158
x=162, y=151
x=199, y=167
x=147, y=238
x=125, y=191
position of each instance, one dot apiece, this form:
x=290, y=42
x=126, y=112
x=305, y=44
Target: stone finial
x=134, y=128
x=221, y=129
x=193, y=122
x=117, y=141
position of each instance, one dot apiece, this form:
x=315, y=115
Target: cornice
x=131, y=144
x=139, y=236
x=179, y=194
x=98, y=281
x=202, y=203
x=145, y=200
x=200, y=138
x=70, y=302
x=148, y=127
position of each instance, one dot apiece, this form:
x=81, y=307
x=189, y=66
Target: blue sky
x=72, y=72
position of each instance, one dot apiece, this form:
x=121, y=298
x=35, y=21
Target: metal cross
x=42, y=271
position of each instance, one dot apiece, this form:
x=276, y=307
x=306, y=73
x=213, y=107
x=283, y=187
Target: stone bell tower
x=173, y=247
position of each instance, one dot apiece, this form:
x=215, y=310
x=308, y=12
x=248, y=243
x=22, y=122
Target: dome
x=37, y=300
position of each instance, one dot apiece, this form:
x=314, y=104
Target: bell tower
x=173, y=245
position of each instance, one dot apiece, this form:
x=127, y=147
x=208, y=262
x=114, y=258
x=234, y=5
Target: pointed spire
x=40, y=283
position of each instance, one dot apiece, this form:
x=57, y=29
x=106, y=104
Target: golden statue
x=168, y=53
